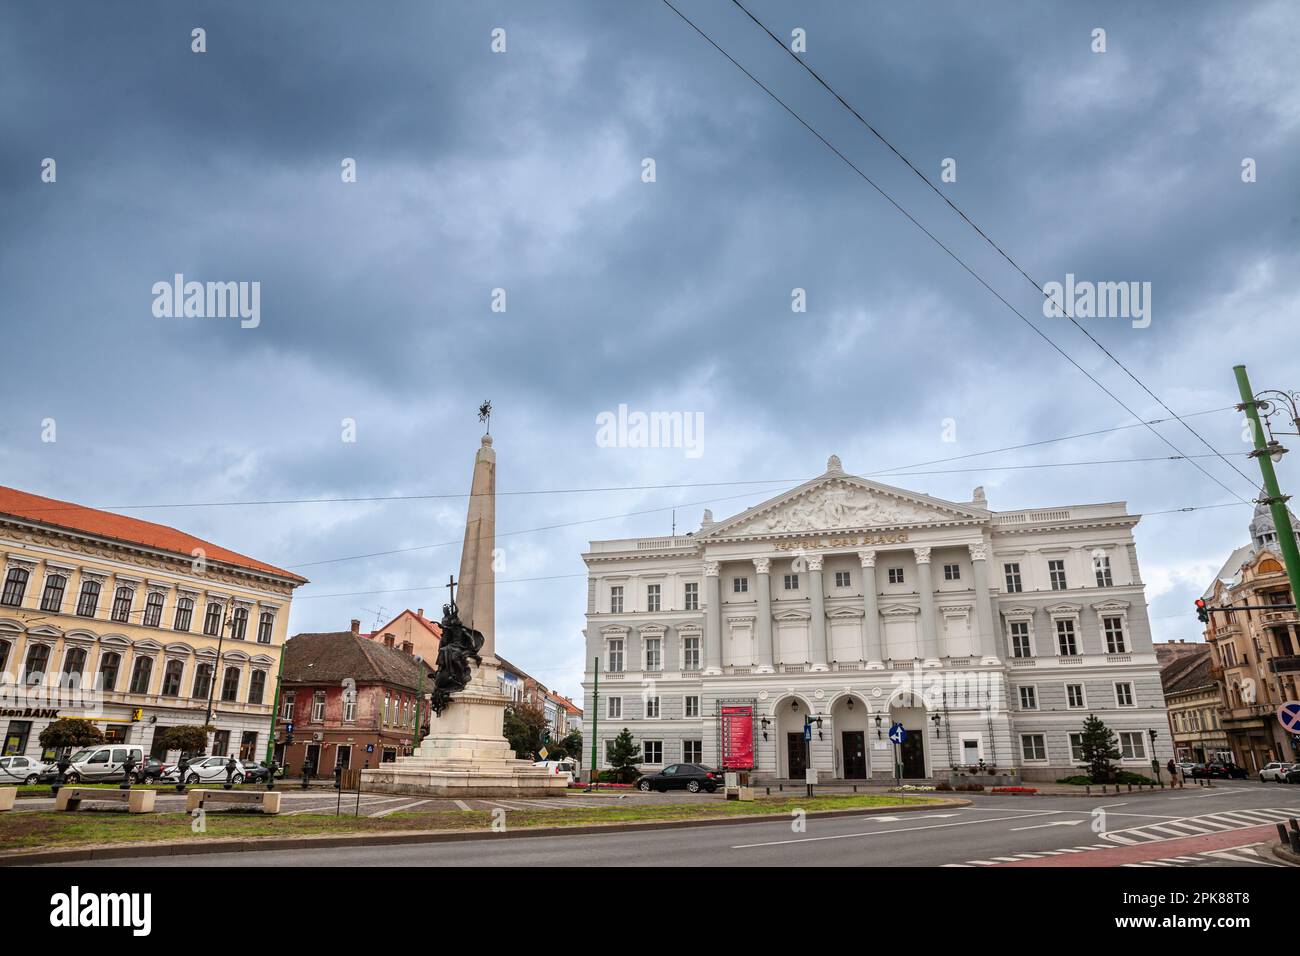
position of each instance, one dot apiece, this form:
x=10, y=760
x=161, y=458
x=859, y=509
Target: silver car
x=1275, y=771
x=15, y=770
x=102, y=764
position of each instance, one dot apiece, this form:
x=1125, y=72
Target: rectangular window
x=1074, y=698
x=1056, y=571
x=286, y=710
x=616, y=599
x=1012, y=573
x=153, y=608
x=318, y=708
x=1076, y=747
x=1066, y=645
x=691, y=653
x=843, y=579
x=88, y=602
x=614, y=710
x=1028, y=698
x=614, y=656
x=212, y=622
x=653, y=658
x=652, y=751
x=952, y=572
x=52, y=599
x=1131, y=745
x=692, y=751
x=1113, y=627
x=692, y=596
x=122, y=605
x=1124, y=695
x=895, y=575
x=792, y=582
x=1101, y=564
x=1033, y=746
x=15, y=586
x=184, y=614
x=691, y=707
x=1020, y=639
x=652, y=597
x=349, y=707
x=740, y=585
x=652, y=707
x=140, y=673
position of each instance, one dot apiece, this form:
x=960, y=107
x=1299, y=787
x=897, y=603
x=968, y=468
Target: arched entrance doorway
x=849, y=717
x=909, y=710
x=792, y=752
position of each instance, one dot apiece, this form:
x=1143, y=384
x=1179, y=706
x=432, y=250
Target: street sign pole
x=1273, y=496
x=595, y=718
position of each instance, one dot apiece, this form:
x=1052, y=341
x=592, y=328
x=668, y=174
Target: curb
x=146, y=850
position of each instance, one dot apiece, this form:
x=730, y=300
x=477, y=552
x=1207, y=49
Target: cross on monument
x=451, y=588
x=485, y=415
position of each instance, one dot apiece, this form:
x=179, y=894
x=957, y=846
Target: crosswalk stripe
x=462, y=804
x=397, y=809
x=983, y=862
x=966, y=865
x=1028, y=856
x=1005, y=859
x=1068, y=850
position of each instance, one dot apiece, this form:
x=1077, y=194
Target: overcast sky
x=522, y=171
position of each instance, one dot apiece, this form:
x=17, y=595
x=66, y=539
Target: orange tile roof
x=105, y=524
x=431, y=626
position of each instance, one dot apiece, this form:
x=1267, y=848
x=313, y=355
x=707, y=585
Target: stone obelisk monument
x=466, y=752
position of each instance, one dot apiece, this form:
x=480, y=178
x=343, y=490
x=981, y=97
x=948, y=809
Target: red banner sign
x=737, y=737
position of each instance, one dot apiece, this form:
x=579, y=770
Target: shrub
x=1078, y=780
x=1013, y=790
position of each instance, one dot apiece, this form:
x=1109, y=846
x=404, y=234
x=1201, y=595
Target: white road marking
x=1056, y=823
x=931, y=826
x=405, y=806
x=461, y=804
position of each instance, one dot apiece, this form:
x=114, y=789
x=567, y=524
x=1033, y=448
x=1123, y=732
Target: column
x=871, y=650
x=925, y=586
x=712, y=619
x=764, y=655
x=984, y=604
x=817, y=606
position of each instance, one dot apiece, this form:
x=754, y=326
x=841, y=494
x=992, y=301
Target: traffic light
x=1202, y=612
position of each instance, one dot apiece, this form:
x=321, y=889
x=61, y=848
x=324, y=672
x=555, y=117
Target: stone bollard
x=1281, y=835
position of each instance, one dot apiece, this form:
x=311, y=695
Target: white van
x=564, y=768
x=103, y=763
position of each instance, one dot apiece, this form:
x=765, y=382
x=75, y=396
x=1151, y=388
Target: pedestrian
x=1173, y=771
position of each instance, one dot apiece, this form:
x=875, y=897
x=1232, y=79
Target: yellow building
x=135, y=626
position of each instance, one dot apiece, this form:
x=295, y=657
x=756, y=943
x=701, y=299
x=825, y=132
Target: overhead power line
x=935, y=239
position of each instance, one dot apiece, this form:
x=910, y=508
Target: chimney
x=388, y=639
x=419, y=612
x=408, y=648
x=356, y=627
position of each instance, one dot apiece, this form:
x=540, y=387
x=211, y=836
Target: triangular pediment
x=842, y=502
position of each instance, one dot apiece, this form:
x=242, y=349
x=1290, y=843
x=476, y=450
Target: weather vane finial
x=485, y=415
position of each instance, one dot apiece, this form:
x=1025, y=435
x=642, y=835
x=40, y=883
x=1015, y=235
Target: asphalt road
x=994, y=831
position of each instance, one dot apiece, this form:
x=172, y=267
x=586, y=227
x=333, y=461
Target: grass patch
x=46, y=830
x=43, y=789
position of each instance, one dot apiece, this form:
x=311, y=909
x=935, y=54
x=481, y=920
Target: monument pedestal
x=465, y=754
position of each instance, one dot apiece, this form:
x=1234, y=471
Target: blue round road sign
x=1288, y=716
x=897, y=734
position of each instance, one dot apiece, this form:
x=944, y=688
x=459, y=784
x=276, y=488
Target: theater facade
x=843, y=607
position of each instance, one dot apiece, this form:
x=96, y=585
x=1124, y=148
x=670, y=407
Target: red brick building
x=352, y=701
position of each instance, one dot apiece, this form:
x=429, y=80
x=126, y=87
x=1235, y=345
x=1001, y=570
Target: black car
x=149, y=771
x=1218, y=771
x=682, y=776
x=1293, y=775
x=254, y=772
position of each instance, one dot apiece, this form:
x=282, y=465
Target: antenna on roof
x=674, y=522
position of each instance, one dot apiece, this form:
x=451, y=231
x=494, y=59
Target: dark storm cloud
x=522, y=171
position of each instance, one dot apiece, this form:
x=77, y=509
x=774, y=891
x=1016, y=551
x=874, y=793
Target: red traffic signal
x=1202, y=612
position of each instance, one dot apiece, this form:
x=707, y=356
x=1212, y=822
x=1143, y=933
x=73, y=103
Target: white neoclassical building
x=847, y=605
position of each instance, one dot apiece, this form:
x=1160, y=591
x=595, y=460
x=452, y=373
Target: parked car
x=1186, y=767
x=1218, y=771
x=149, y=771
x=1293, y=773
x=205, y=770
x=565, y=768
x=682, y=776
x=254, y=772
x=15, y=770
x=1275, y=771
x=102, y=764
